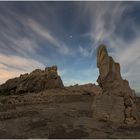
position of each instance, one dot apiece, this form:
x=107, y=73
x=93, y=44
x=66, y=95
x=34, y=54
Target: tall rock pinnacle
x=117, y=94
x=110, y=78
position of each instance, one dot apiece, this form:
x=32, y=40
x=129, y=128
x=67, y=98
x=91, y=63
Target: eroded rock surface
x=37, y=80
x=110, y=80
x=87, y=89
x=109, y=108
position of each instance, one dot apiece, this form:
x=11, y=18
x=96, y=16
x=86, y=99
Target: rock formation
x=114, y=86
x=37, y=80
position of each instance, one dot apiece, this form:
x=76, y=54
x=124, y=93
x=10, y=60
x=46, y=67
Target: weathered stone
x=37, y=80
x=128, y=102
x=130, y=121
x=128, y=112
x=102, y=61
x=109, y=108
x=113, y=85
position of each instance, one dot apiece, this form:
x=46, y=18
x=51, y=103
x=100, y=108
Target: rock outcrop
x=37, y=80
x=86, y=89
x=110, y=80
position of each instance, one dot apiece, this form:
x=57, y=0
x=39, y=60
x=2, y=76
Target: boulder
x=37, y=80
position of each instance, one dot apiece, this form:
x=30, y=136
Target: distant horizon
x=39, y=34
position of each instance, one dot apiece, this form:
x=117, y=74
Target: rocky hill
x=37, y=80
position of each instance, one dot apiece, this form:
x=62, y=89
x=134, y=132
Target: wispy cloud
x=12, y=66
x=84, y=51
x=43, y=32
x=104, y=18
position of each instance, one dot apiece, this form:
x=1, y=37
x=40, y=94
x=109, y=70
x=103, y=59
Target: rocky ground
x=65, y=114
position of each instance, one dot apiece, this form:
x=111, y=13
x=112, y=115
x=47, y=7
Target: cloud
x=14, y=36
x=23, y=46
x=104, y=18
x=45, y=33
x=84, y=51
x=12, y=66
x=28, y=32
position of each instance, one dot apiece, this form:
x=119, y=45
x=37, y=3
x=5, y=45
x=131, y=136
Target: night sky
x=39, y=34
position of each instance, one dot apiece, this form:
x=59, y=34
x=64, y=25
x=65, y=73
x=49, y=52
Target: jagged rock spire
x=110, y=80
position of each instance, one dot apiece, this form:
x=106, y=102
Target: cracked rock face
x=110, y=80
x=37, y=80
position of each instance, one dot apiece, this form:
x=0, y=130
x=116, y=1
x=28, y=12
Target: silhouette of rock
x=113, y=85
x=37, y=80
